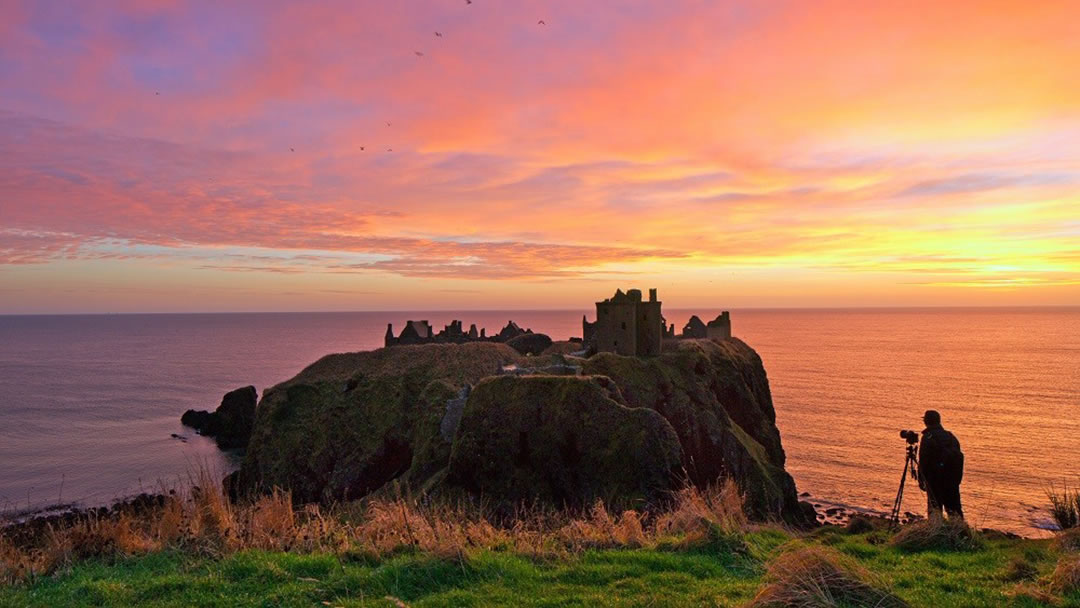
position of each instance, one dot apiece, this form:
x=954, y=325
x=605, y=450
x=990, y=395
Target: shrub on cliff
x=1064, y=506
x=529, y=344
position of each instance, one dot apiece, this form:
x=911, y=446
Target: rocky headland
x=231, y=423
x=483, y=420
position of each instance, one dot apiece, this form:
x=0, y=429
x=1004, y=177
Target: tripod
x=911, y=465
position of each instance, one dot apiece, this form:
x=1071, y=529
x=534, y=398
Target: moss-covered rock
x=562, y=440
x=715, y=394
x=350, y=423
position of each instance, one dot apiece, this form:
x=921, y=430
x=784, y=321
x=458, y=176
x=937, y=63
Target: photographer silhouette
x=941, y=468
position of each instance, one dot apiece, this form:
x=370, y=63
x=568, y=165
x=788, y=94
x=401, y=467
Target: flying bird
x=361, y=148
x=540, y=22
x=389, y=149
x=468, y=1
x=418, y=53
x=438, y=34
x=291, y=150
x=388, y=123
x=157, y=92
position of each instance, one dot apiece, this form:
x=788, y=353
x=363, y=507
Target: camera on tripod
x=911, y=467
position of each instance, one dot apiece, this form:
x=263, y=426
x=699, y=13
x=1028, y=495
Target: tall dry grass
x=696, y=512
x=202, y=521
x=816, y=577
x=938, y=534
x=1066, y=576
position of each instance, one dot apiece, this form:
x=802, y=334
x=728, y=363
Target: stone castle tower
x=627, y=325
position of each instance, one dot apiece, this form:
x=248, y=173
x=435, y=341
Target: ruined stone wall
x=650, y=328
x=720, y=327
x=616, y=327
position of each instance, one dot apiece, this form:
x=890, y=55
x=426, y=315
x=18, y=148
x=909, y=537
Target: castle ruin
x=421, y=332
x=627, y=325
x=717, y=329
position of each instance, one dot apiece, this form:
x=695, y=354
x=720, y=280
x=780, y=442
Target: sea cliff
x=480, y=419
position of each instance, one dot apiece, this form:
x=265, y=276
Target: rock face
x=349, y=423
x=529, y=344
x=563, y=440
x=231, y=424
x=627, y=430
x=716, y=396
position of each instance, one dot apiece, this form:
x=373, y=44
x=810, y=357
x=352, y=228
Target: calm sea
x=88, y=404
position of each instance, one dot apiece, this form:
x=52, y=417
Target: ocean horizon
x=92, y=401
x=587, y=312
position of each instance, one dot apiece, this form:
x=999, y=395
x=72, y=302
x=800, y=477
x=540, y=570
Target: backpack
x=952, y=458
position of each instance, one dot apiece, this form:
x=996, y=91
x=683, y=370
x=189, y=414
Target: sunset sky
x=236, y=155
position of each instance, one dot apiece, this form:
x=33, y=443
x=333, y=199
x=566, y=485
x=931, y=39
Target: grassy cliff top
x=1005, y=573
x=481, y=358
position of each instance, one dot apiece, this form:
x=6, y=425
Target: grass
x=484, y=578
x=705, y=575
x=198, y=550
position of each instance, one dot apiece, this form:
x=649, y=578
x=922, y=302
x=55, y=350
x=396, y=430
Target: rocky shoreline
x=231, y=423
x=27, y=527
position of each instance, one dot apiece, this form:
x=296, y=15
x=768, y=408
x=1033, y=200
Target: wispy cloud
x=982, y=182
